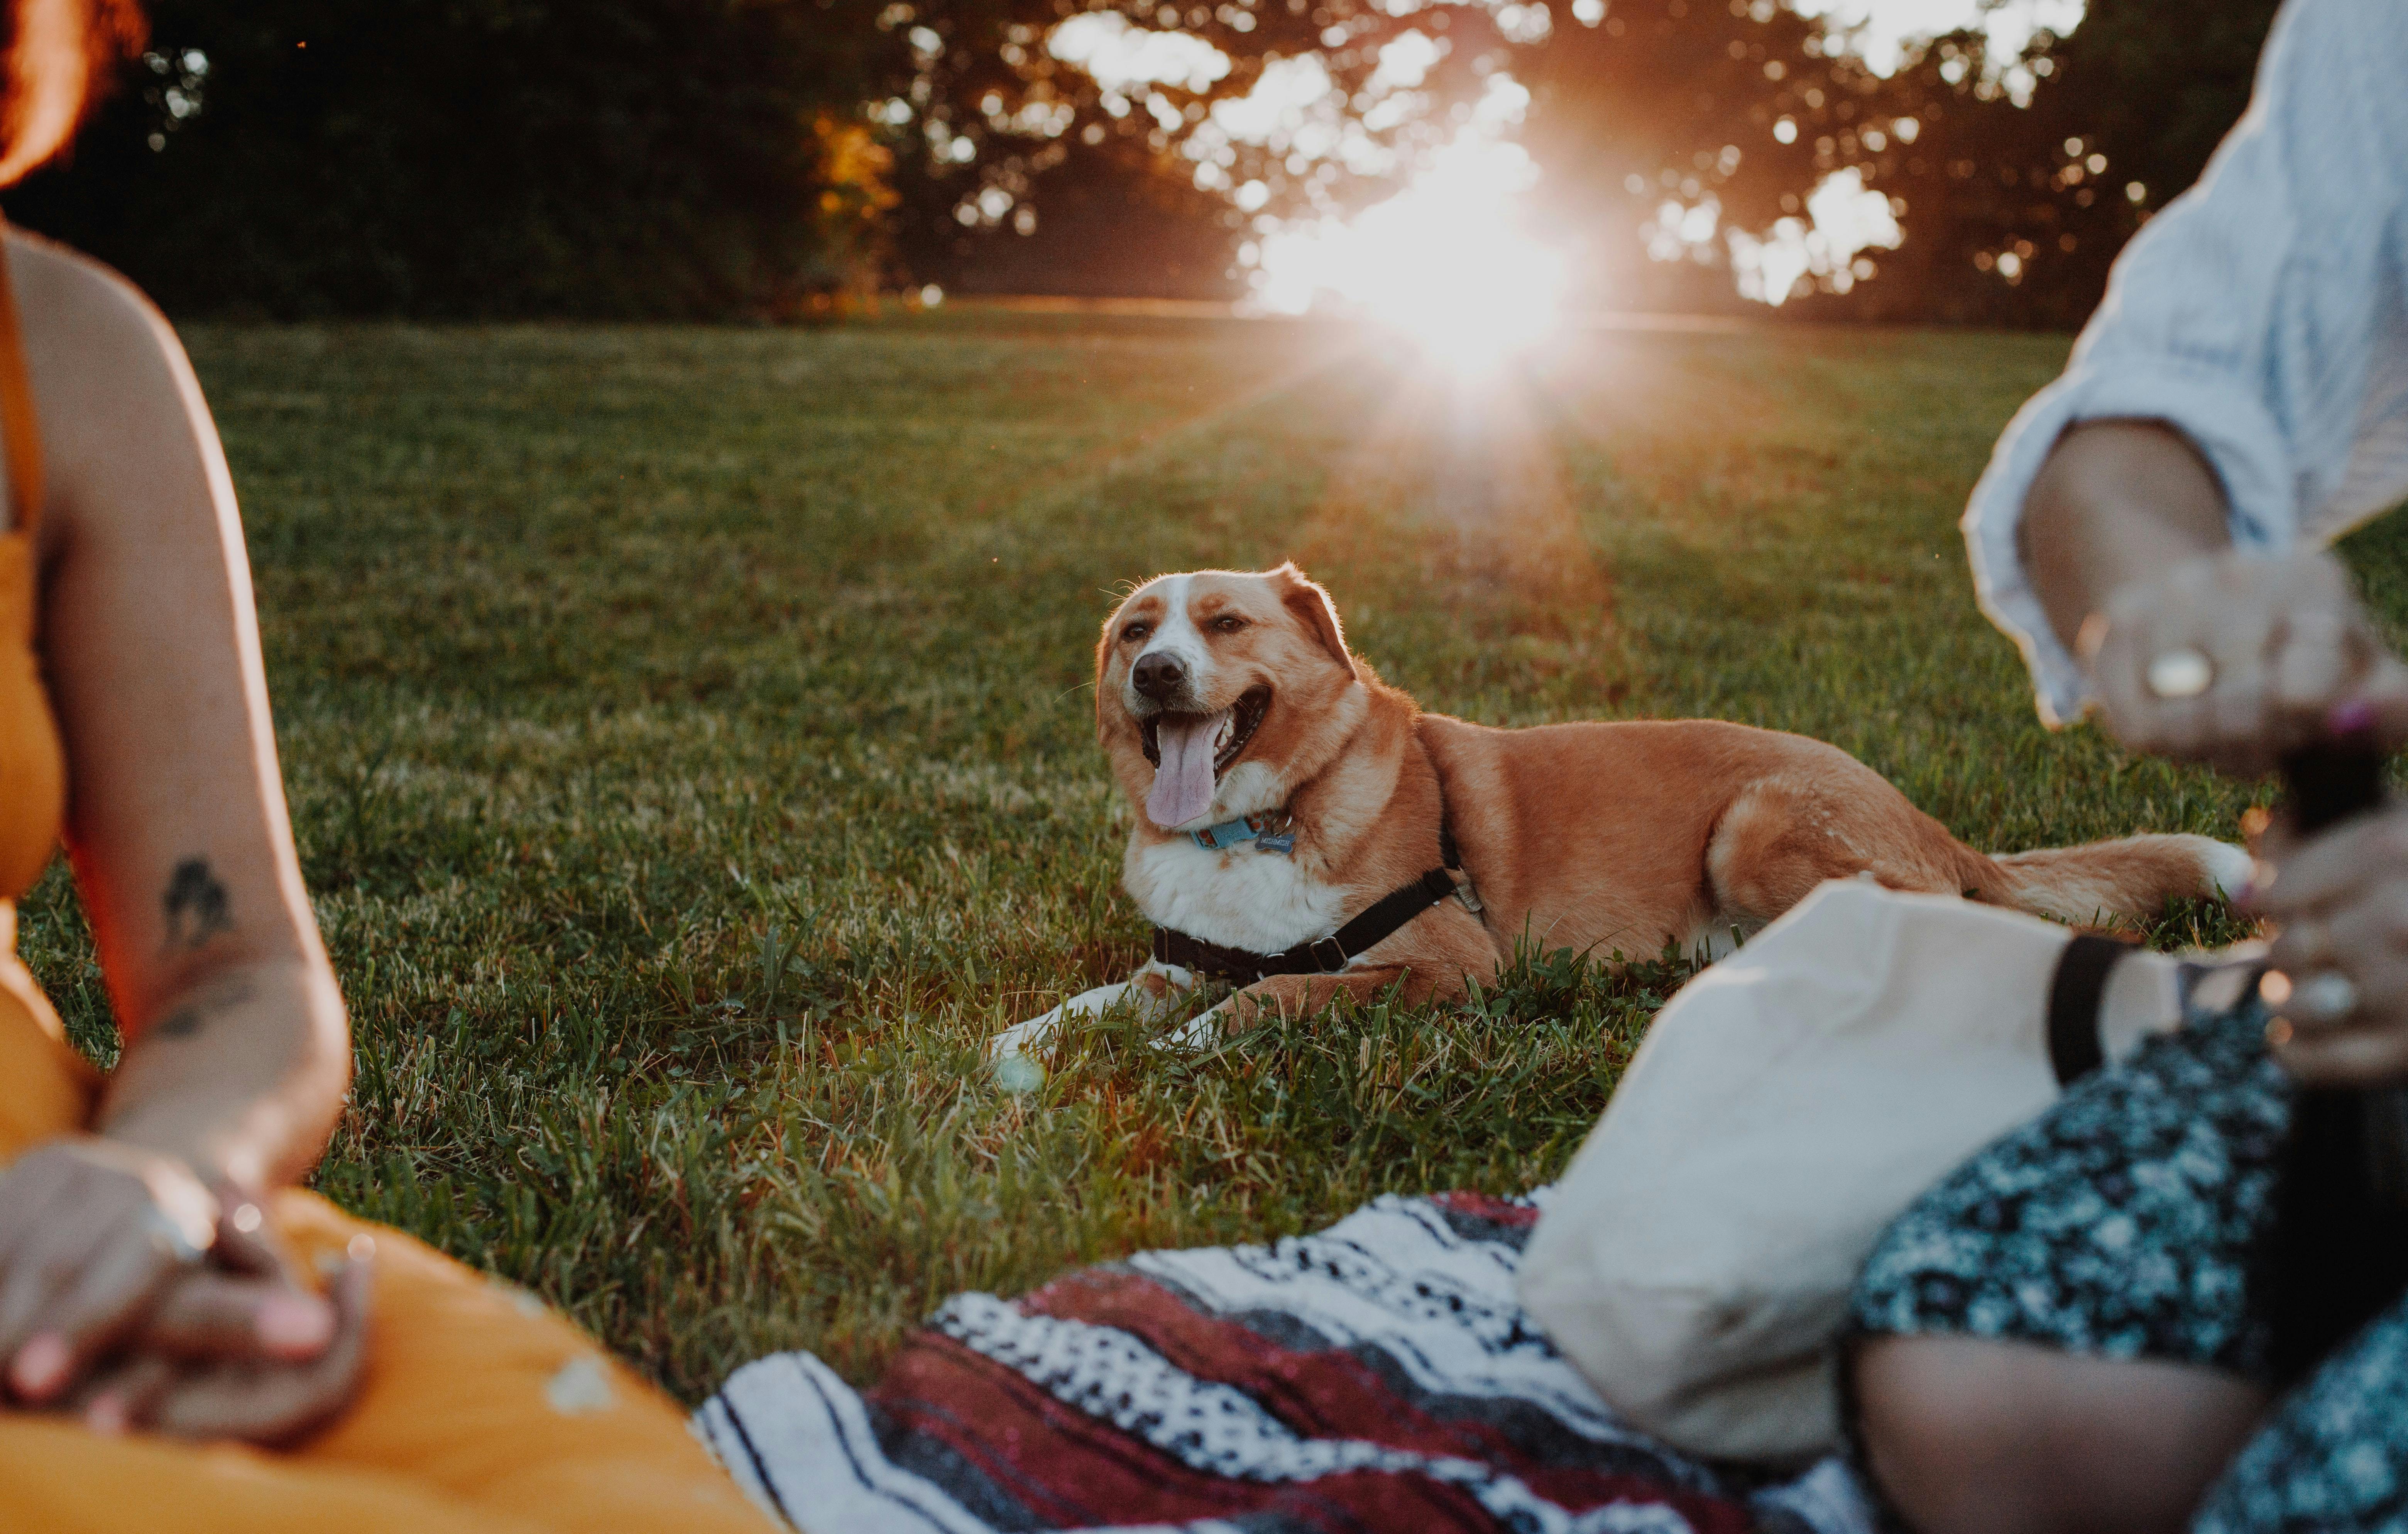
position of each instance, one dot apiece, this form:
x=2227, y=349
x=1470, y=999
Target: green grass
x=690, y=747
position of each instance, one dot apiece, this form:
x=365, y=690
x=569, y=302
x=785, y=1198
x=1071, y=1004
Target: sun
x=1447, y=261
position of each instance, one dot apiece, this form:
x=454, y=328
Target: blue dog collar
x=1270, y=833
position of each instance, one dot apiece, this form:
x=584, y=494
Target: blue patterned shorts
x=2124, y=1222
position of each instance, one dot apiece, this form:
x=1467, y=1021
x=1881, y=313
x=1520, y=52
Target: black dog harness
x=1326, y=956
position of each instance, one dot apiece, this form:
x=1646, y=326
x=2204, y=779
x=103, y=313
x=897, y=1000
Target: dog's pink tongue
x=1182, y=784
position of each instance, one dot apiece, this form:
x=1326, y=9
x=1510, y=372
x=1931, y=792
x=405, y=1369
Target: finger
x=121, y=1398
x=2234, y=713
x=2367, y=934
x=2194, y=616
x=212, y=1315
x=2336, y=864
x=2318, y=664
x=249, y=1242
x=2367, y=945
x=2349, y=936
x=2380, y=707
x=44, y=1269
x=2124, y=699
x=75, y=1217
x=2137, y=630
x=2238, y=633
x=2375, y=1055
x=2185, y=728
x=268, y=1402
x=274, y=1403
x=87, y=1316
x=30, y=1194
x=2314, y=661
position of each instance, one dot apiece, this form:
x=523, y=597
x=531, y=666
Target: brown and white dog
x=1221, y=696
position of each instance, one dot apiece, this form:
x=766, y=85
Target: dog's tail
x=2131, y=876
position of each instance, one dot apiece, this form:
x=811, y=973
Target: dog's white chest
x=1239, y=899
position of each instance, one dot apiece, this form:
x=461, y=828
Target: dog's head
x=1213, y=688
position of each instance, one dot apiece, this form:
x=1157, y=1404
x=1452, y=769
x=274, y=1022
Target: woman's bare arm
x=237, y=1056
x=2117, y=501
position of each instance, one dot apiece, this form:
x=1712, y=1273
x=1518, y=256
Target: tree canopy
x=750, y=158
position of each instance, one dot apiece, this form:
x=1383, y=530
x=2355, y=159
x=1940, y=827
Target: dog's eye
x=1228, y=624
x=1135, y=632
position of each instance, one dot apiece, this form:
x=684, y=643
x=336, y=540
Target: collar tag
x=1270, y=833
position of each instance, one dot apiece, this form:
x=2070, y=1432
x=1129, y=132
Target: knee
x=1943, y=1441
x=1972, y=1436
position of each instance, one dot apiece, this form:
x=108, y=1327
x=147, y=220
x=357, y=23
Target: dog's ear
x=1305, y=597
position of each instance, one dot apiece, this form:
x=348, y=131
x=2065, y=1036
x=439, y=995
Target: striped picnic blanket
x=1379, y=1375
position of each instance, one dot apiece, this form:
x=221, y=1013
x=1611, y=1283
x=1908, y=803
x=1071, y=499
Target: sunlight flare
x=1447, y=261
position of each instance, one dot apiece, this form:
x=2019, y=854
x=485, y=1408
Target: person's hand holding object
x=2340, y=964
x=2238, y=659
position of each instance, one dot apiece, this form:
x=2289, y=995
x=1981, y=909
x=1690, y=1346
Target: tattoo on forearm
x=197, y=906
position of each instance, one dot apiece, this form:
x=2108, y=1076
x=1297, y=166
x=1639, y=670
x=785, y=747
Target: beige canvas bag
x=1694, y=1262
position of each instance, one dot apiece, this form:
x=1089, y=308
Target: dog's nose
x=1158, y=675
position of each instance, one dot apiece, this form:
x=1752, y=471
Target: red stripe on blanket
x=1331, y=1394
x=1073, y=1471
x=1480, y=1206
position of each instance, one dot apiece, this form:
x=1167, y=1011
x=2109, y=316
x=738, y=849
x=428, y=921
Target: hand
x=2292, y=660
x=2342, y=900
x=113, y=1312
x=92, y=1232
x=217, y=1364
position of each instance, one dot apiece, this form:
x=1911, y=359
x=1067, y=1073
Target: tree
x=485, y=157
x=2014, y=214
x=1628, y=111
x=728, y=158
x=1664, y=126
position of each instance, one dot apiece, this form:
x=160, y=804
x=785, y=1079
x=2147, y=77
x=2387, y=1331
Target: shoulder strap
x=2074, y=993
x=20, y=435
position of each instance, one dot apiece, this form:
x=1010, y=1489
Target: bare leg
x=1973, y=1436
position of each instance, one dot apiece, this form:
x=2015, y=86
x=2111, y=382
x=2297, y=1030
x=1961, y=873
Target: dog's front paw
x=1146, y=991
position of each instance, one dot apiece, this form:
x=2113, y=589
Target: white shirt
x=2264, y=313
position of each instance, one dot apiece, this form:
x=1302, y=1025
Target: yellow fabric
x=33, y=779
x=482, y=1411
x=37, y=1090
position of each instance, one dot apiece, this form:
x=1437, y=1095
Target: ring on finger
x=2326, y=997
x=2180, y=673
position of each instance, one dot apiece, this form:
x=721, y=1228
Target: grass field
x=690, y=746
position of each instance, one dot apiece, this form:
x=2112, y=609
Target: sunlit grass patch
x=690, y=747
